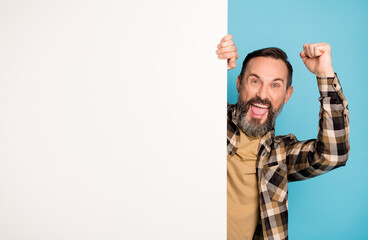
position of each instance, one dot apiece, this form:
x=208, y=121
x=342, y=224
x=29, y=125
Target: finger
x=306, y=50
x=236, y=55
x=317, y=51
x=231, y=48
x=314, y=50
x=227, y=37
x=303, y=55
x=227, y=55
x=232, y=62
x=324, y=47
x=310, y=51
x=231, y=66
x=227, y=44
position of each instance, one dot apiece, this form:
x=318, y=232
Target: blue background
x=333, y=205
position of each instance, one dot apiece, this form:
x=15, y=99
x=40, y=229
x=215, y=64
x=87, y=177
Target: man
x=259, y=165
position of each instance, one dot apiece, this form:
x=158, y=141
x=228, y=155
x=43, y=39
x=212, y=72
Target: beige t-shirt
x=242, y=190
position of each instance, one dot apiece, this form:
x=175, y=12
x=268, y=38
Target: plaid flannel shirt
x=284, y=158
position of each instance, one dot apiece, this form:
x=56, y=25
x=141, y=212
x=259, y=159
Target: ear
x=238, y=84
x=289, y=92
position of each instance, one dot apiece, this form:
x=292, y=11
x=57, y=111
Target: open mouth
x=259, y=110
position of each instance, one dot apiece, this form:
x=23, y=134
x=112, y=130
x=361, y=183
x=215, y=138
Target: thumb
x=303, y=56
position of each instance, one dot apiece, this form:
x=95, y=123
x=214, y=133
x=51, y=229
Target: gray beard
x=253, y=127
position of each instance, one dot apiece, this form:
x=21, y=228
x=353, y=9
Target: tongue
x=258, y=110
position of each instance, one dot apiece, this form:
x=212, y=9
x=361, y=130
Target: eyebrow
x=276, y=79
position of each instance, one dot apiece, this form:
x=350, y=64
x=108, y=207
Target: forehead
x=267, y=68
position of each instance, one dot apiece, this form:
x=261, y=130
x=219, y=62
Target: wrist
x=327, y=74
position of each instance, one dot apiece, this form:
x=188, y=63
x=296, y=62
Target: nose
x=262, y=92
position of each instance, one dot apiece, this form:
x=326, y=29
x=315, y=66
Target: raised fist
x=317, y=58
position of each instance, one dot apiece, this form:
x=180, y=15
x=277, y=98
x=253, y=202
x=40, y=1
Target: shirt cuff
x=328, y=85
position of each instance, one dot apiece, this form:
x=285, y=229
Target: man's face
x=262, y=93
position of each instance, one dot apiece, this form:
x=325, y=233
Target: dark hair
x=272, y=52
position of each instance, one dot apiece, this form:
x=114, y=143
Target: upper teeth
x=260, y=105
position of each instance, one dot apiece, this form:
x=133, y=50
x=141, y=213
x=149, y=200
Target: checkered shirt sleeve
x=307, y=159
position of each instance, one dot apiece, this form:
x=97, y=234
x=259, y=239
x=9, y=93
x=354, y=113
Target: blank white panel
x=113, y=120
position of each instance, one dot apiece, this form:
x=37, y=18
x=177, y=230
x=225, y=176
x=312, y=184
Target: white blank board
x=113, y=120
